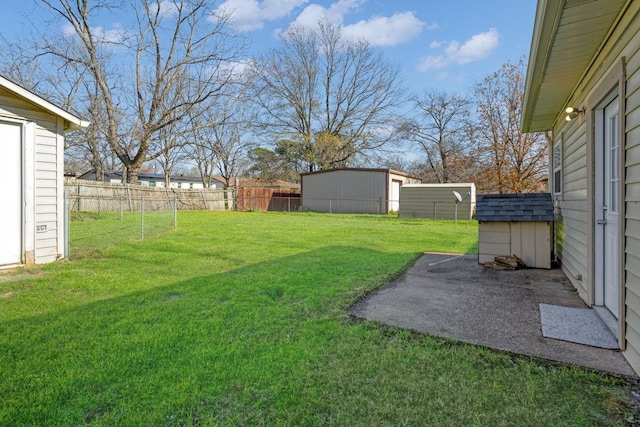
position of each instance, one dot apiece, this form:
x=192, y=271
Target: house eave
x=567, y=36
x=71, y=122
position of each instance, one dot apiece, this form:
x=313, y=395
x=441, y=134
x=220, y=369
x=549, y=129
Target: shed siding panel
x=357, y=191
x=436, y=201
x=494, y=239
x=47, y=184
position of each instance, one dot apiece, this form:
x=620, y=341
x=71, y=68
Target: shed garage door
x=10, y=193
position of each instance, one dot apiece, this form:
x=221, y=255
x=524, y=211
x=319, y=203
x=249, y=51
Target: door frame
x=28, y=211
x=612, y=85
x=601, y=175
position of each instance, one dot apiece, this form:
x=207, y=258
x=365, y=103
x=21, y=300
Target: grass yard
x=240, y=319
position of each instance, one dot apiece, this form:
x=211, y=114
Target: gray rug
x=579, y=325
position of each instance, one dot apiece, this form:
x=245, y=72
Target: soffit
x=567, y=36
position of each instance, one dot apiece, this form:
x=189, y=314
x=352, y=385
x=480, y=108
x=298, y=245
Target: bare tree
x=180, y=52
x=511, y=162
x=217, y=138
x=331, y=97
x=440, y=127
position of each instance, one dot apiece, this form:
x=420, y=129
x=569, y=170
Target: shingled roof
x=514, y=207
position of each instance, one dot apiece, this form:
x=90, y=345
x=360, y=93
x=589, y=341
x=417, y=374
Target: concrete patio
x=452, y=296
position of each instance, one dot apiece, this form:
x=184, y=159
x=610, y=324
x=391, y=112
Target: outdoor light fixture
x=572, y=113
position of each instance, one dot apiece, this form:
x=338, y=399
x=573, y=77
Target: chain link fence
x=99, y=215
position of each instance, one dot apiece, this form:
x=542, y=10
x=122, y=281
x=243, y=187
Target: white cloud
x=334, y=14
x=475, y=49
x=386, y=31
x=377, y=30
x=249, y=15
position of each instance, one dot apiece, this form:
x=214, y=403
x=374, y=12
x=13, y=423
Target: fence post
x=434, y=211
x=289, y=204
x=175, y=212
x=330, y=207
x=142, y=218
x=67, y=197
x=121, y=208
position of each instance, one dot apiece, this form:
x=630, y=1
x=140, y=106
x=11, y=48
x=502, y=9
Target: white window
x=557, y=167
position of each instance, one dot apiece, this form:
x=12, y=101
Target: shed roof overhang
x=71, y=122
x=567, y=36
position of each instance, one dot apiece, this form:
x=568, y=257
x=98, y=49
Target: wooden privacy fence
x=267, y=199
x=91, y=196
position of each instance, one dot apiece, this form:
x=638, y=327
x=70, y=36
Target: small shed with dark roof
x=515, y=224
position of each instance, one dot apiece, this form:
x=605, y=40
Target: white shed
x=32, y=176
x=438, y=201
x=515, y=224
x=353, y=190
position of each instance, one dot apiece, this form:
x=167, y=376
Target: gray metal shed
x=353, y=190
x=515, y=224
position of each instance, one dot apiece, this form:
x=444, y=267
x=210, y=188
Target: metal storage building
x=437, y=201
x=353, y=190
x=31, y=170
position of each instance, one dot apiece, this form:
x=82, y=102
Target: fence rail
x=105, y=197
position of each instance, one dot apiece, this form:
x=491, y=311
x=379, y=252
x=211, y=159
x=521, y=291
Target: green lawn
x=240, y=319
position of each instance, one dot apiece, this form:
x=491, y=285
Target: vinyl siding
x=632, y=199
x=48, y=172
x=47, y=193
x=573, y=227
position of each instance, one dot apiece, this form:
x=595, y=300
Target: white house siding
x=632, y=199
x=574, y=225
x=571, y=227
x=48, y=175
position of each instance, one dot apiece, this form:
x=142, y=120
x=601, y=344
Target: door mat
x=579, y=325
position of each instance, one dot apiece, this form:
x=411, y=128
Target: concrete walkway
x=454, y=297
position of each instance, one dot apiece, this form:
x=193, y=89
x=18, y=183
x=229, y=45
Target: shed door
x=10, y=193
x=394, y=196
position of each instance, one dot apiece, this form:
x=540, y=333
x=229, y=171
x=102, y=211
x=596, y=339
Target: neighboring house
x=155, y=180
x=354, y=190
x=437, y=201
x=32, y=171
x=585, y=56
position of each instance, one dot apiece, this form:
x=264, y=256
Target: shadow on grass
x=149, y=354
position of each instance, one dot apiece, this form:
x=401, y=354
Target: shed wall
x=530, y=241
x=43, y=134
x=436, y=201
x=338, y=191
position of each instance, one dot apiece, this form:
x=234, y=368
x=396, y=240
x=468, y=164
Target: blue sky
x=445, y=45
